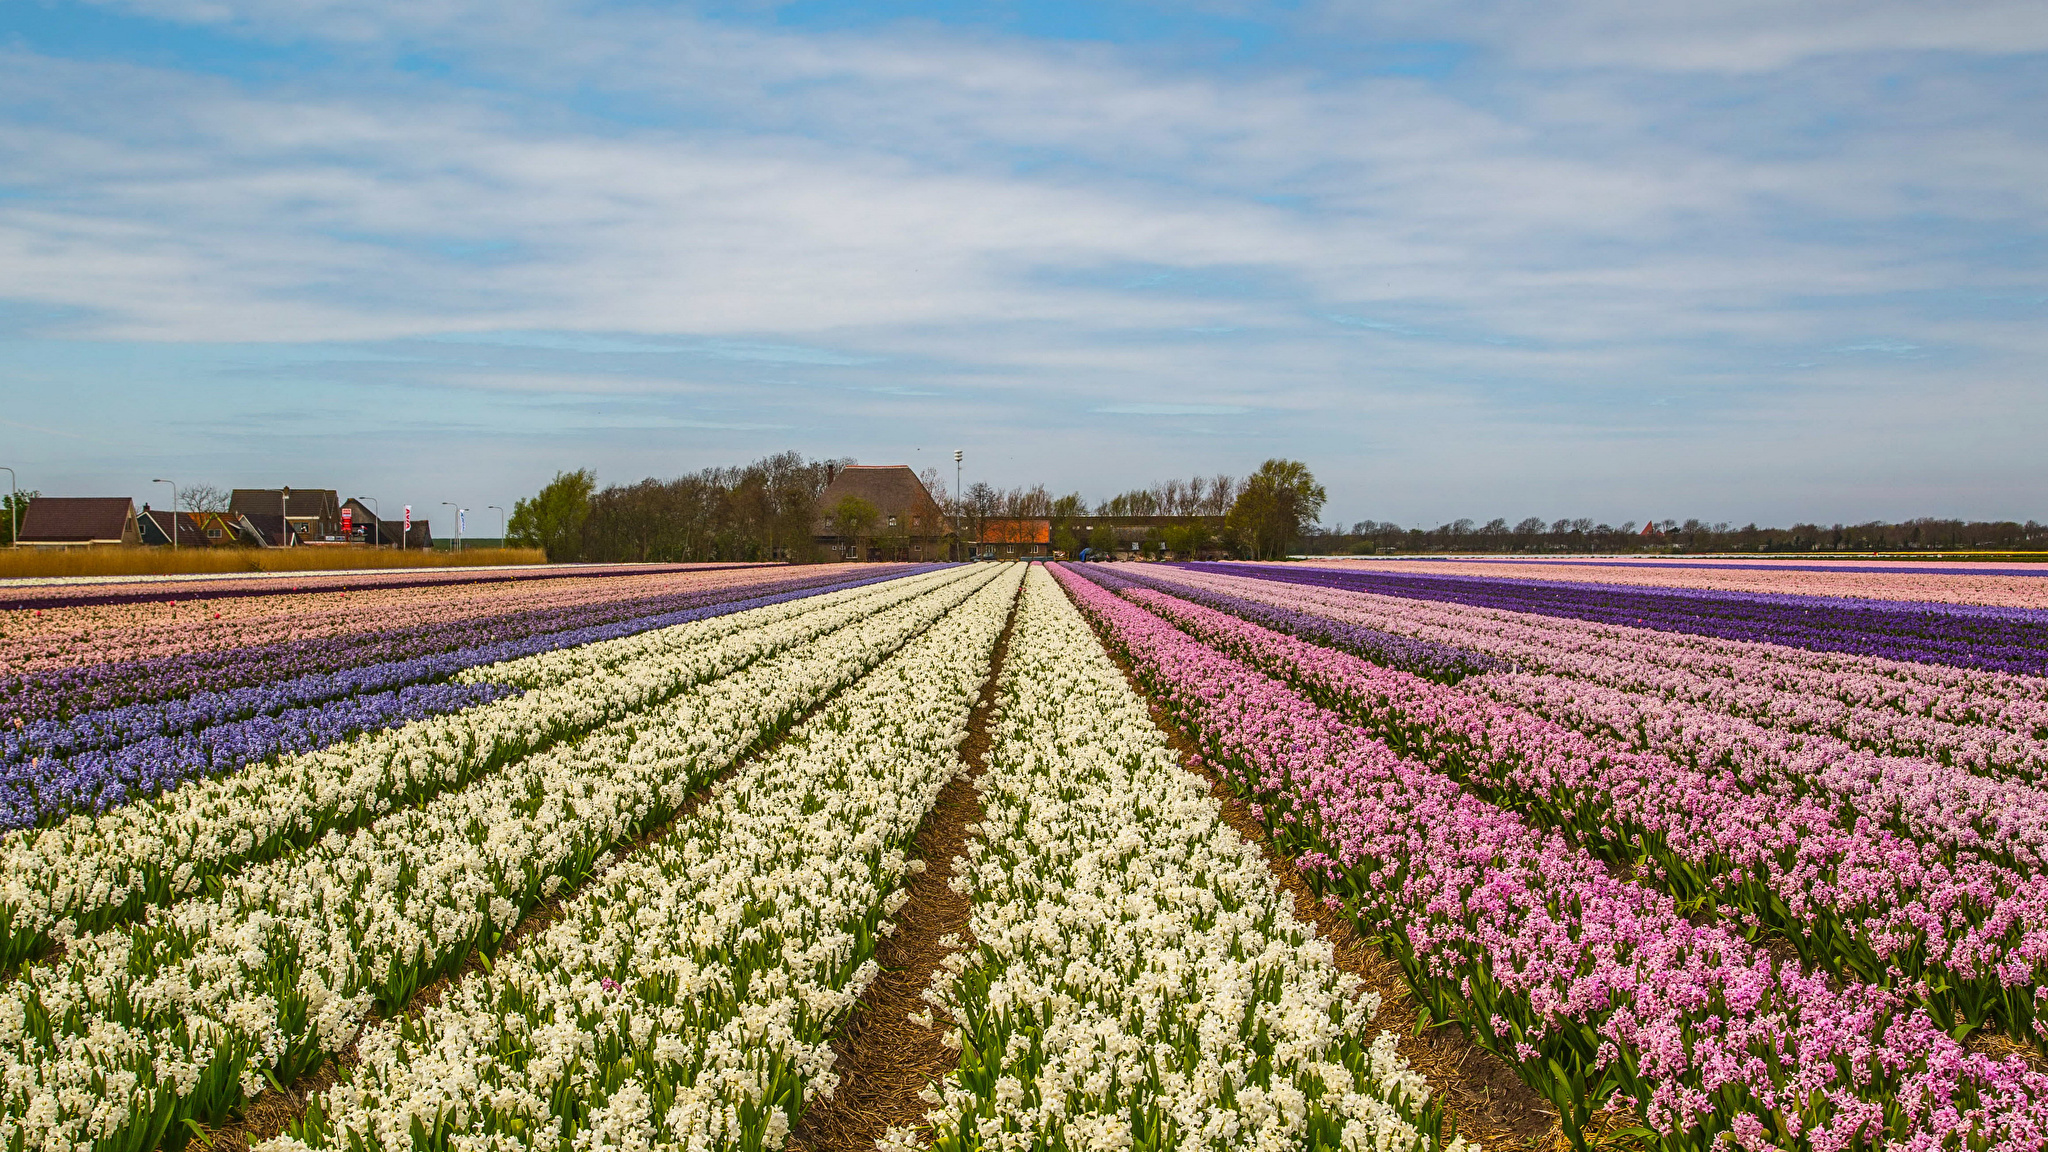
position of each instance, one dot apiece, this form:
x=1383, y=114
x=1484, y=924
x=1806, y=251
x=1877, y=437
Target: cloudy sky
x=1471, y=258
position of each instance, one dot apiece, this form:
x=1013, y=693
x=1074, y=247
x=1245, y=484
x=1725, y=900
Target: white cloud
x=907, y=230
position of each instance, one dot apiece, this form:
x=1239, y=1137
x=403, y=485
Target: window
x=892, y=521
x=213, y=533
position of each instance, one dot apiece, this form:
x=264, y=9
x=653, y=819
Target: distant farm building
x=79, y=521
x=1014, y=539
x=909, y=524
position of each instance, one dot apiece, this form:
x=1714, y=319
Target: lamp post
x=459, y=510
x=13, y=510
x=284, y=517
x=956, y=500
x=501, y=524
x=379, y=510
x=174, y=511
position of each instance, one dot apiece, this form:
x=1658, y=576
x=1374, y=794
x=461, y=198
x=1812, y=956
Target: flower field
x=611, y=858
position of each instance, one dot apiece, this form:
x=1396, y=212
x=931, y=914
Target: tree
x=13, y=507
x=202, y=498
x=1102, y=540
x=1065, y=539
x=978, y=505
x=1275, y=506
x=553, y=519
x=853, y=519
x=1184, y=539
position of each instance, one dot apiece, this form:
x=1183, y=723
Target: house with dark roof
x=198, y=529
x=313, y=514
x=909, y=524
x=77, y=521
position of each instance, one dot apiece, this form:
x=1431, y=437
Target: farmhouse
x=75, y=521
x=909, y=524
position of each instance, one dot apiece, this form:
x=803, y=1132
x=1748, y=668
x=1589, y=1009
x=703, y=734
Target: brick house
x=1014, y=539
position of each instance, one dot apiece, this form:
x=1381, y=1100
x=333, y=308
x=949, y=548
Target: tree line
x=766, y=510
x=758, y=511
x=1584, y=535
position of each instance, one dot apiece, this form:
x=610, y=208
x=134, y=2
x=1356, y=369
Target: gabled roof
x=893, y=489
x=270, y=528
x=76, y=519
x=156, y=526
x=305, y=502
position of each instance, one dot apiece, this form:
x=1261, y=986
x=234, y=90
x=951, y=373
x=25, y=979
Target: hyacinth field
x=1406, y=858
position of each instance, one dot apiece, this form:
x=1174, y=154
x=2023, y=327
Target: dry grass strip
x=883, y=1059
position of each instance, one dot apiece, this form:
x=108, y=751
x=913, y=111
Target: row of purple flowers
x=64, y=693
x=1834, y=871
x=149, y=591
x=1441, y=662
x=1999, y=639
x=117, y=756
x=1592, y=986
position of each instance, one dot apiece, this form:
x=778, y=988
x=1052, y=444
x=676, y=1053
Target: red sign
x=408, y=519
x=348, y=516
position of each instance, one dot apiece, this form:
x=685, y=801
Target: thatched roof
x=893, y=489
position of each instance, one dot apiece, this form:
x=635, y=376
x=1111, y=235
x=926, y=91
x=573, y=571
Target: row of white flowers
x=683, y=1002
x=183, y=1015
x=1137, y=976
x=93, y=870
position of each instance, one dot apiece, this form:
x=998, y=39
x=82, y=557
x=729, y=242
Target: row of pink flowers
x=1968, y=936
x=2001, y=585
x=35, y=639
x=1589, y=984
x=1991, y=723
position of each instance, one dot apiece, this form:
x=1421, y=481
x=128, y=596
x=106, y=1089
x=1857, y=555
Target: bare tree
x=202, y=498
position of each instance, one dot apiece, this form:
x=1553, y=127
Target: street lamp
x=501, y=524
x=379, y=510
x=956, y=501
x=284, y=517
x=459, y=510
x=174, y=511
x=13, y=510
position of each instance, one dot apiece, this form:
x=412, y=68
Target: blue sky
x=1474, y=258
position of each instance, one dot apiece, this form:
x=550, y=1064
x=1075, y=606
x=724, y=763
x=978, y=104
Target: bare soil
x=272, y=1113
x=883, y=1058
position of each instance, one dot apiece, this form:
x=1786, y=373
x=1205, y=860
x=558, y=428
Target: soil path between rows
x=1486, y=1100
x=883, y=1058
x=272, y=1114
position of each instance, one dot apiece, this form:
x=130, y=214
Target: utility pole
x=956, y=502
x=174, y=511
